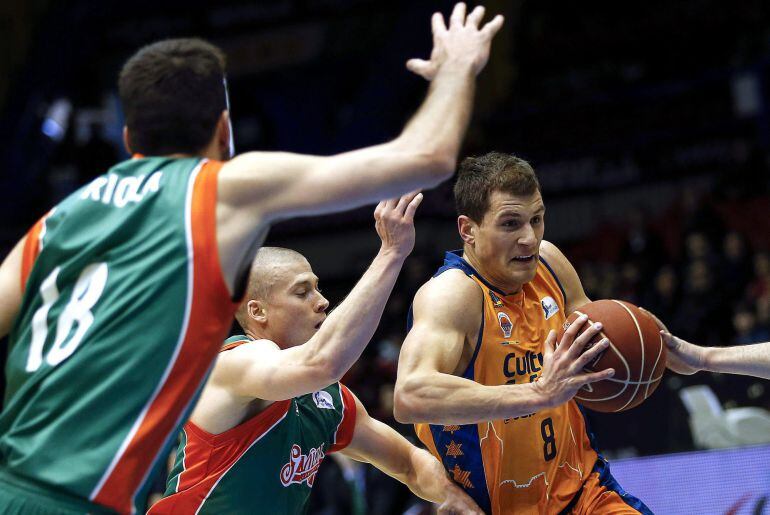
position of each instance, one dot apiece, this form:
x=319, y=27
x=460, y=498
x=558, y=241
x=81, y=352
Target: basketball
x=636, y=353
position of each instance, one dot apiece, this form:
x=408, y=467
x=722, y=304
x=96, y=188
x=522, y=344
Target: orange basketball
x=636, y=352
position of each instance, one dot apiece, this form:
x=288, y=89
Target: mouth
x=318, y=325
x=524, y=259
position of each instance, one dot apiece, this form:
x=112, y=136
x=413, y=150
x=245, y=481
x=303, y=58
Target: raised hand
x=394, y=221
x=462, y=45
x=563, y=367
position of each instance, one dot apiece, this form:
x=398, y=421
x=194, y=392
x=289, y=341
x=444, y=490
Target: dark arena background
x=648, y=124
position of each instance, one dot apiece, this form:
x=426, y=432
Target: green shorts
x=19, y=496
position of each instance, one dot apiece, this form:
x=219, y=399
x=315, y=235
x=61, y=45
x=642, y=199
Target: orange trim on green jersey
x=210, y=315
x=32, y=246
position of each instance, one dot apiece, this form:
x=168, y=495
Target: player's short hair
x=264, y=273
x=479, y=176
x=173, y=93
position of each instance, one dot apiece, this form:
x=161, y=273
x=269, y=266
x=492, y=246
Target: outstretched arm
x=746, y=360
x=687, y=358
x=10, y=288
x=446, y=312
x=376, y=443
x=270, y=373
x=258, y=188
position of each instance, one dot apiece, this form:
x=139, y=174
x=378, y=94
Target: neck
x=507, y=287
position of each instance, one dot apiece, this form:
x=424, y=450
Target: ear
x=224, y=134
x=256, y=310
x=127, y=140
x=467, y=229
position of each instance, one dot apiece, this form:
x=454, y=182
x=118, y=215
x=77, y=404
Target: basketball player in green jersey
x=117, y=300
x=273, y=407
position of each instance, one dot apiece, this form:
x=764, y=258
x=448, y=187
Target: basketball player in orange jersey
x=478, y=373
x=165, y=241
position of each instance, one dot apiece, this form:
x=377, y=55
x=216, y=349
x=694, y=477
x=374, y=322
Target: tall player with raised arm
x=117, y=300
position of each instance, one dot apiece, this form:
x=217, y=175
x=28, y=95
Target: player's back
x=123, y=310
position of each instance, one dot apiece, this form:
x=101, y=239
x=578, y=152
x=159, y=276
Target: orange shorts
x=601, y=494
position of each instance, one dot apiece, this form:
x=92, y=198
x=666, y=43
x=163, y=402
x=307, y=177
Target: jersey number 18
x=85, y=294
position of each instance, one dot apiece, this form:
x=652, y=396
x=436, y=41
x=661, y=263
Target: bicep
x=281, y=184
x=11, y=287
x=264, y=371
x=445, y=313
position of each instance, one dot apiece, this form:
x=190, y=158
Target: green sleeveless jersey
x=265, y=465
x=123, y=311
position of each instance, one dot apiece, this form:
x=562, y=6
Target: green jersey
x=265, y=465
x=123, y=311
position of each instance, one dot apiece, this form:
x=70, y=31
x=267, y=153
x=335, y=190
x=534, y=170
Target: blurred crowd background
x=648, y=124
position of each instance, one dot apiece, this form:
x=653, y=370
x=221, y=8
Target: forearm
x=440, y=123
x=447, y=399
x=750, y=360
x=426, y=477
x=348, y=329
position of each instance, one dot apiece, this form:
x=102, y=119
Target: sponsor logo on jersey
x=505, y=324
x=302, y=468
x=451, y=428
x=323, y=400
x=496, y=302
x=550, y=308
x=514, y=342
x=522, y=369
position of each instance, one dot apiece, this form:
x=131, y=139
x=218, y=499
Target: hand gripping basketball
x=563, y=367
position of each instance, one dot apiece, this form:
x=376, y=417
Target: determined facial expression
x=295, y=307
x=506, y=243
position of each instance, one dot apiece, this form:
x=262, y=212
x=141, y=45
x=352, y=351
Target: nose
x=322, y=304
x=528, y=237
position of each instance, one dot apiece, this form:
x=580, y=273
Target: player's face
x=296, y=309
x=507, y=242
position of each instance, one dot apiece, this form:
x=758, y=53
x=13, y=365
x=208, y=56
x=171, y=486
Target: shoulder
x=553, y=256
x=237, y=356
x=451, y=296
x=565, y=273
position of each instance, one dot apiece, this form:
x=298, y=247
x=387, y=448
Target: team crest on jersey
x=550, y=308
x=302, y=468
x=496, y=302
x=323, y=400
x=505, y=324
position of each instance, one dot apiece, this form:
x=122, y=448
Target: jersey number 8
x=85, y=294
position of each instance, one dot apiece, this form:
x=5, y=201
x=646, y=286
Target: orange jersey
x=531, y=464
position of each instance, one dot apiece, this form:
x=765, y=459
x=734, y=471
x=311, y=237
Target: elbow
x=328, y=370
x=442, y=165
x=436, y=163
x=406, y=407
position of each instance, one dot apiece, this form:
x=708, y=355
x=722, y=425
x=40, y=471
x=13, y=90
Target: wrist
x=537, y=395
x=709, y=357
x=457, y=65
x=392, y=254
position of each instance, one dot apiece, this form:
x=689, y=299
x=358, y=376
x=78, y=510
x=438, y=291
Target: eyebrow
x=516, y=214
x=305, y=282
